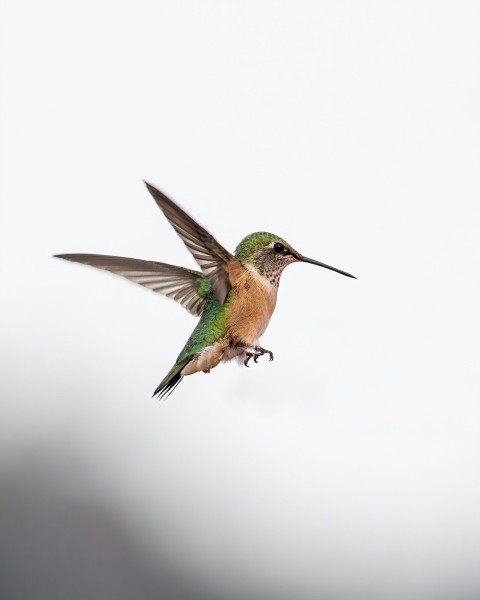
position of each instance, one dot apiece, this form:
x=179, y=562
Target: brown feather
x=254, y=300
x=175, y=282
x=209, y=254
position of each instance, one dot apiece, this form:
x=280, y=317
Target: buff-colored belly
x=207, y=359
x=252, y=307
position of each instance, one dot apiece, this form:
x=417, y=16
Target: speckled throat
x=270, y=265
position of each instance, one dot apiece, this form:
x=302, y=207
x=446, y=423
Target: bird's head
x=269, y=254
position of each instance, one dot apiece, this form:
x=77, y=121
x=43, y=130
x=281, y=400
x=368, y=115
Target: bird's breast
x=253, y=302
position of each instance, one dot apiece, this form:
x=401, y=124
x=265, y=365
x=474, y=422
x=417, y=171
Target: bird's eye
x=280, y=248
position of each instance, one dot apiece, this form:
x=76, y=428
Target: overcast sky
x=349, y=466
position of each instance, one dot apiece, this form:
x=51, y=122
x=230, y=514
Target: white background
x=347, y=468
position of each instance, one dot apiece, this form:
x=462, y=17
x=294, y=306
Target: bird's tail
x=171, y=380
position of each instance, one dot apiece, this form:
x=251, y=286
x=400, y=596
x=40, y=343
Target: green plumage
x=252, y=243
x=211, y=327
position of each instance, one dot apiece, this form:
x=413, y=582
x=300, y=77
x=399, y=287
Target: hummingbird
x=234, y=294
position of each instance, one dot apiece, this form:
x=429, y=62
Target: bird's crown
x=262, y=240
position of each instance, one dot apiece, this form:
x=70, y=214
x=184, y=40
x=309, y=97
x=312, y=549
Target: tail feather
x=170, y=381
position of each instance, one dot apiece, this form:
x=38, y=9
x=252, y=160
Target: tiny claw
x=261, y=351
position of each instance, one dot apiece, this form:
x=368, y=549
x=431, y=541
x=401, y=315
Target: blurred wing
x=178, y=283
x=209, y=254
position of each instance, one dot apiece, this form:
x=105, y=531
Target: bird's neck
x=247, y=277
x=268, y=278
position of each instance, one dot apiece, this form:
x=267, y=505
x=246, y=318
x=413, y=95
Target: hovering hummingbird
x=234, y=295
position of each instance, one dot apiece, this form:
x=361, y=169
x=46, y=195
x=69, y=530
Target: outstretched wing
x=209, y=254
x=190, y=288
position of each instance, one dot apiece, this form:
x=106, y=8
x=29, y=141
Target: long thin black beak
x=320, y=264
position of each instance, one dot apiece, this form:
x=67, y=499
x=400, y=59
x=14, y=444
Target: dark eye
x=280, y=248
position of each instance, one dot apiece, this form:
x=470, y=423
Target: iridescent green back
x=211, y=328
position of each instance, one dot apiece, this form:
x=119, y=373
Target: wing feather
x=210, y=255
x=181, y=284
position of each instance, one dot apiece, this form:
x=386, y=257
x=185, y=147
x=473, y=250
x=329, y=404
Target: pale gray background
x=349, y=467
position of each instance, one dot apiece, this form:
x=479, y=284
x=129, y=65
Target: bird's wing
x=190, y=288
x=209, y=254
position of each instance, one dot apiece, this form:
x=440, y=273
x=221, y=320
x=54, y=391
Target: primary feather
x=189, y=288
x=212, y=258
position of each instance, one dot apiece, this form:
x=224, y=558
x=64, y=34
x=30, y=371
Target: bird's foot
x=260, y=352
x=248, y=357
x=257, y=351
x=254, y=352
